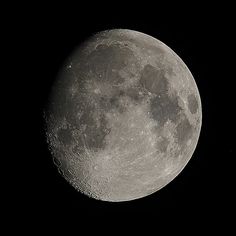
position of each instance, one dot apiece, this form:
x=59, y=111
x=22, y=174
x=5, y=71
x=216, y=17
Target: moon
x=124, y=116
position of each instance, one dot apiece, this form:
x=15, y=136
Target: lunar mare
x=124, y=116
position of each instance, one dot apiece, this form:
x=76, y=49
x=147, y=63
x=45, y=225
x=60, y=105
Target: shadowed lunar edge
x=116, y=96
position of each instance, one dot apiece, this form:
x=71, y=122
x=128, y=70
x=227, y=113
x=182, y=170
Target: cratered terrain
x=124, y=116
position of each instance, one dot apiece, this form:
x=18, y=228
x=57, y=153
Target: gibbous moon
x=124, y=116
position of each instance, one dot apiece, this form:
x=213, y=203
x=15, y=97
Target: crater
x=192, y=103
x=56, y=161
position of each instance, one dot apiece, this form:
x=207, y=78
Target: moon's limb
x=124, y=116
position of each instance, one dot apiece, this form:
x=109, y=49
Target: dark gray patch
x=192, y=103
x=133, y=93
x=163, y=108
x=107, y=103
x=87, y=116
x=153, y=80
x=184, y=132
x=65, y=136
x=115, y=78
x=94, y=135
x=163, y=144
x=114, y=103
x=106, y=61
x=118, y=105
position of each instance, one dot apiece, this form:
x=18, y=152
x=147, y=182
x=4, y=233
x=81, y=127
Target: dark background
x=43, y=36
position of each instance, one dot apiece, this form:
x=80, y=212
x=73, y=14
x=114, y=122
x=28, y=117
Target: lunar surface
x=124, y=116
